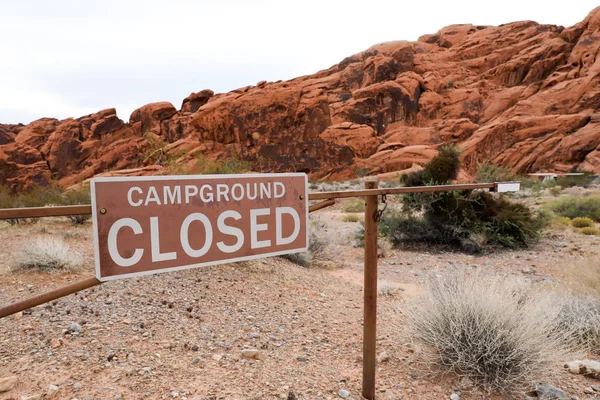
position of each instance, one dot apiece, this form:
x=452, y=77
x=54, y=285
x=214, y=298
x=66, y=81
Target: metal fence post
x=370, y=293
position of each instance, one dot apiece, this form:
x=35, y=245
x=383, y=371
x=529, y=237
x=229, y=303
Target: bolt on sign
x=147, y=225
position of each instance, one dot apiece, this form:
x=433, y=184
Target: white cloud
x=63, y=57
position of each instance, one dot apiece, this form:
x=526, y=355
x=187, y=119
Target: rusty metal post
x=49, y=296
x=370, y=293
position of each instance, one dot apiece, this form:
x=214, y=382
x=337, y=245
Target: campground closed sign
x=146, y=225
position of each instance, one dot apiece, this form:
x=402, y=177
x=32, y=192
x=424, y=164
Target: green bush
x=459, y=218
x=582, y=222
x=440, y=170
x=573, y=207
x=354, y=206
x=589, y=230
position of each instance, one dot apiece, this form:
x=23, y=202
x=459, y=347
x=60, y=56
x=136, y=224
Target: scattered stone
x=584, y=367
x=195, y=347
x=588, y=390
x=560, y=244
x=218, y=357
x=454, y=396
x=383, y=357
x=344, y=394
x=30, y=287
x=76, y=386
x=75, y=327
x=595, y=388
x=7, y=383
x=301, y=358
x=250, y=353
x=547, y=391
x=52, y=392
x=527, y=270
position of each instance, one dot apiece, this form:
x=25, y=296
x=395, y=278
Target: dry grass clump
x=319, y=248
x=582, y=222
x=354, y=206
x=580, y=315
x=47, y=254
x=351, y=218
x=589, y=230
x=494, y=331
x=585, y=277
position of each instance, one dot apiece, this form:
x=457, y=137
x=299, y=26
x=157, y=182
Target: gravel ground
x=262, y=329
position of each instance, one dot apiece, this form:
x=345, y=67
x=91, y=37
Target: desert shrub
x=351, y=218
x=354, y=206
x=589, y=230
x=584, y=277
x=456, y=217
x=573, y=207
x=563, y=221
x=575, y=180
x=439, y=170
x=74, y=196
x=387, y=288
x=39, y=196
x=580, y=316
x=489, y=172
x=318, y=249
x=555, y=190
x=231, y=164
x=46, y=254
x=582, y=222
x=6, y=198
x=496, y=332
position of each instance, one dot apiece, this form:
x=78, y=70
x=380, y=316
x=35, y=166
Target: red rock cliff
x=522, y=95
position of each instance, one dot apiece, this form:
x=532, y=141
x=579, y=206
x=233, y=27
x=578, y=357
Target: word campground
x=207, y=193
x=146, y=225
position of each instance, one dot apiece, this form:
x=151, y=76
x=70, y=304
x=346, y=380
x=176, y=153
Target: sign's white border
x=185, y=177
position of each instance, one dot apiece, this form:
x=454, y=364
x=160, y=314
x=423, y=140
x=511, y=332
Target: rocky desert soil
x=255, y=330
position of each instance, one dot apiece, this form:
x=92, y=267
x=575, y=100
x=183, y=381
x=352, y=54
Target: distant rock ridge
x=522, y=95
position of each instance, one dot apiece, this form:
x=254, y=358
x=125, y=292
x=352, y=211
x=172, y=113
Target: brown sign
x=146, y=225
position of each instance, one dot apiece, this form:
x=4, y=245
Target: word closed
x=145, y=225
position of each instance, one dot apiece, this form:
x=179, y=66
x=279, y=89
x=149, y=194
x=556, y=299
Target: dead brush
x=497, y=332
x=580, y=315
x=46, y=254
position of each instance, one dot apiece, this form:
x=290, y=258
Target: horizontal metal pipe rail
x=328, y=197
x=37, y=212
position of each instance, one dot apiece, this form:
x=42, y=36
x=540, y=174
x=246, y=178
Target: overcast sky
x=64, y=58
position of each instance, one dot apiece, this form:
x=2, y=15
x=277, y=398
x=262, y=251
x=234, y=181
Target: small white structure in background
x=503, y=187
x=550, y=176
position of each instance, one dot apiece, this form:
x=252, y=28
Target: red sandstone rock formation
x=523, y=95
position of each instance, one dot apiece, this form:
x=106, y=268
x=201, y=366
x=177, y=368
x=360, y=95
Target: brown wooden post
x=370, y=292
